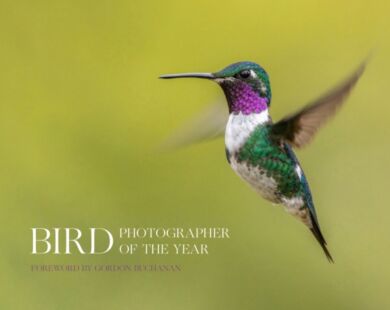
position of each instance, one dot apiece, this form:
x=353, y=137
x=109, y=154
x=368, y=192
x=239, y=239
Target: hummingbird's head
x=245, y=84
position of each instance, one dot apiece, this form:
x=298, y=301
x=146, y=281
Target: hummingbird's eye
x=245, y=74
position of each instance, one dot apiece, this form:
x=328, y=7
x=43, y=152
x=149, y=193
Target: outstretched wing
x=299, y=128
x=208, y=124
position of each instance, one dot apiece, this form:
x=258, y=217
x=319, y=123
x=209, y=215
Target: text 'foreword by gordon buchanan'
x=126, y=240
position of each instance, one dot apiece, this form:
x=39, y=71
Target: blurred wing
x=207, y=125
x=299, y=129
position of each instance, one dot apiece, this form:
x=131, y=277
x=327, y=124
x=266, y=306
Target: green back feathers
x=260, y=151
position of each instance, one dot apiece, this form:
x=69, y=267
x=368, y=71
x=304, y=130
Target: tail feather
x=320, y=238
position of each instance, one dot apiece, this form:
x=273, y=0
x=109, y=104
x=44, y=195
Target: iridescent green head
x=249, y=73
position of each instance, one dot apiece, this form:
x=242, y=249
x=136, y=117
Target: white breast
x=238, y=129
x=240, y=126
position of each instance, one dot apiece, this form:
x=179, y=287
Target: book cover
x=116, y=188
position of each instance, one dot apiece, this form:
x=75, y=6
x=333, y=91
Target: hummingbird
x=259, y=150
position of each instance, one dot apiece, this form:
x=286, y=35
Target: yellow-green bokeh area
x=82, y=111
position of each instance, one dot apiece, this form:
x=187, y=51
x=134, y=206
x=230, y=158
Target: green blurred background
x=82, y=112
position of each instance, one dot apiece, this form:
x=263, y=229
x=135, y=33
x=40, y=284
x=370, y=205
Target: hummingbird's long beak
x=208, y=76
